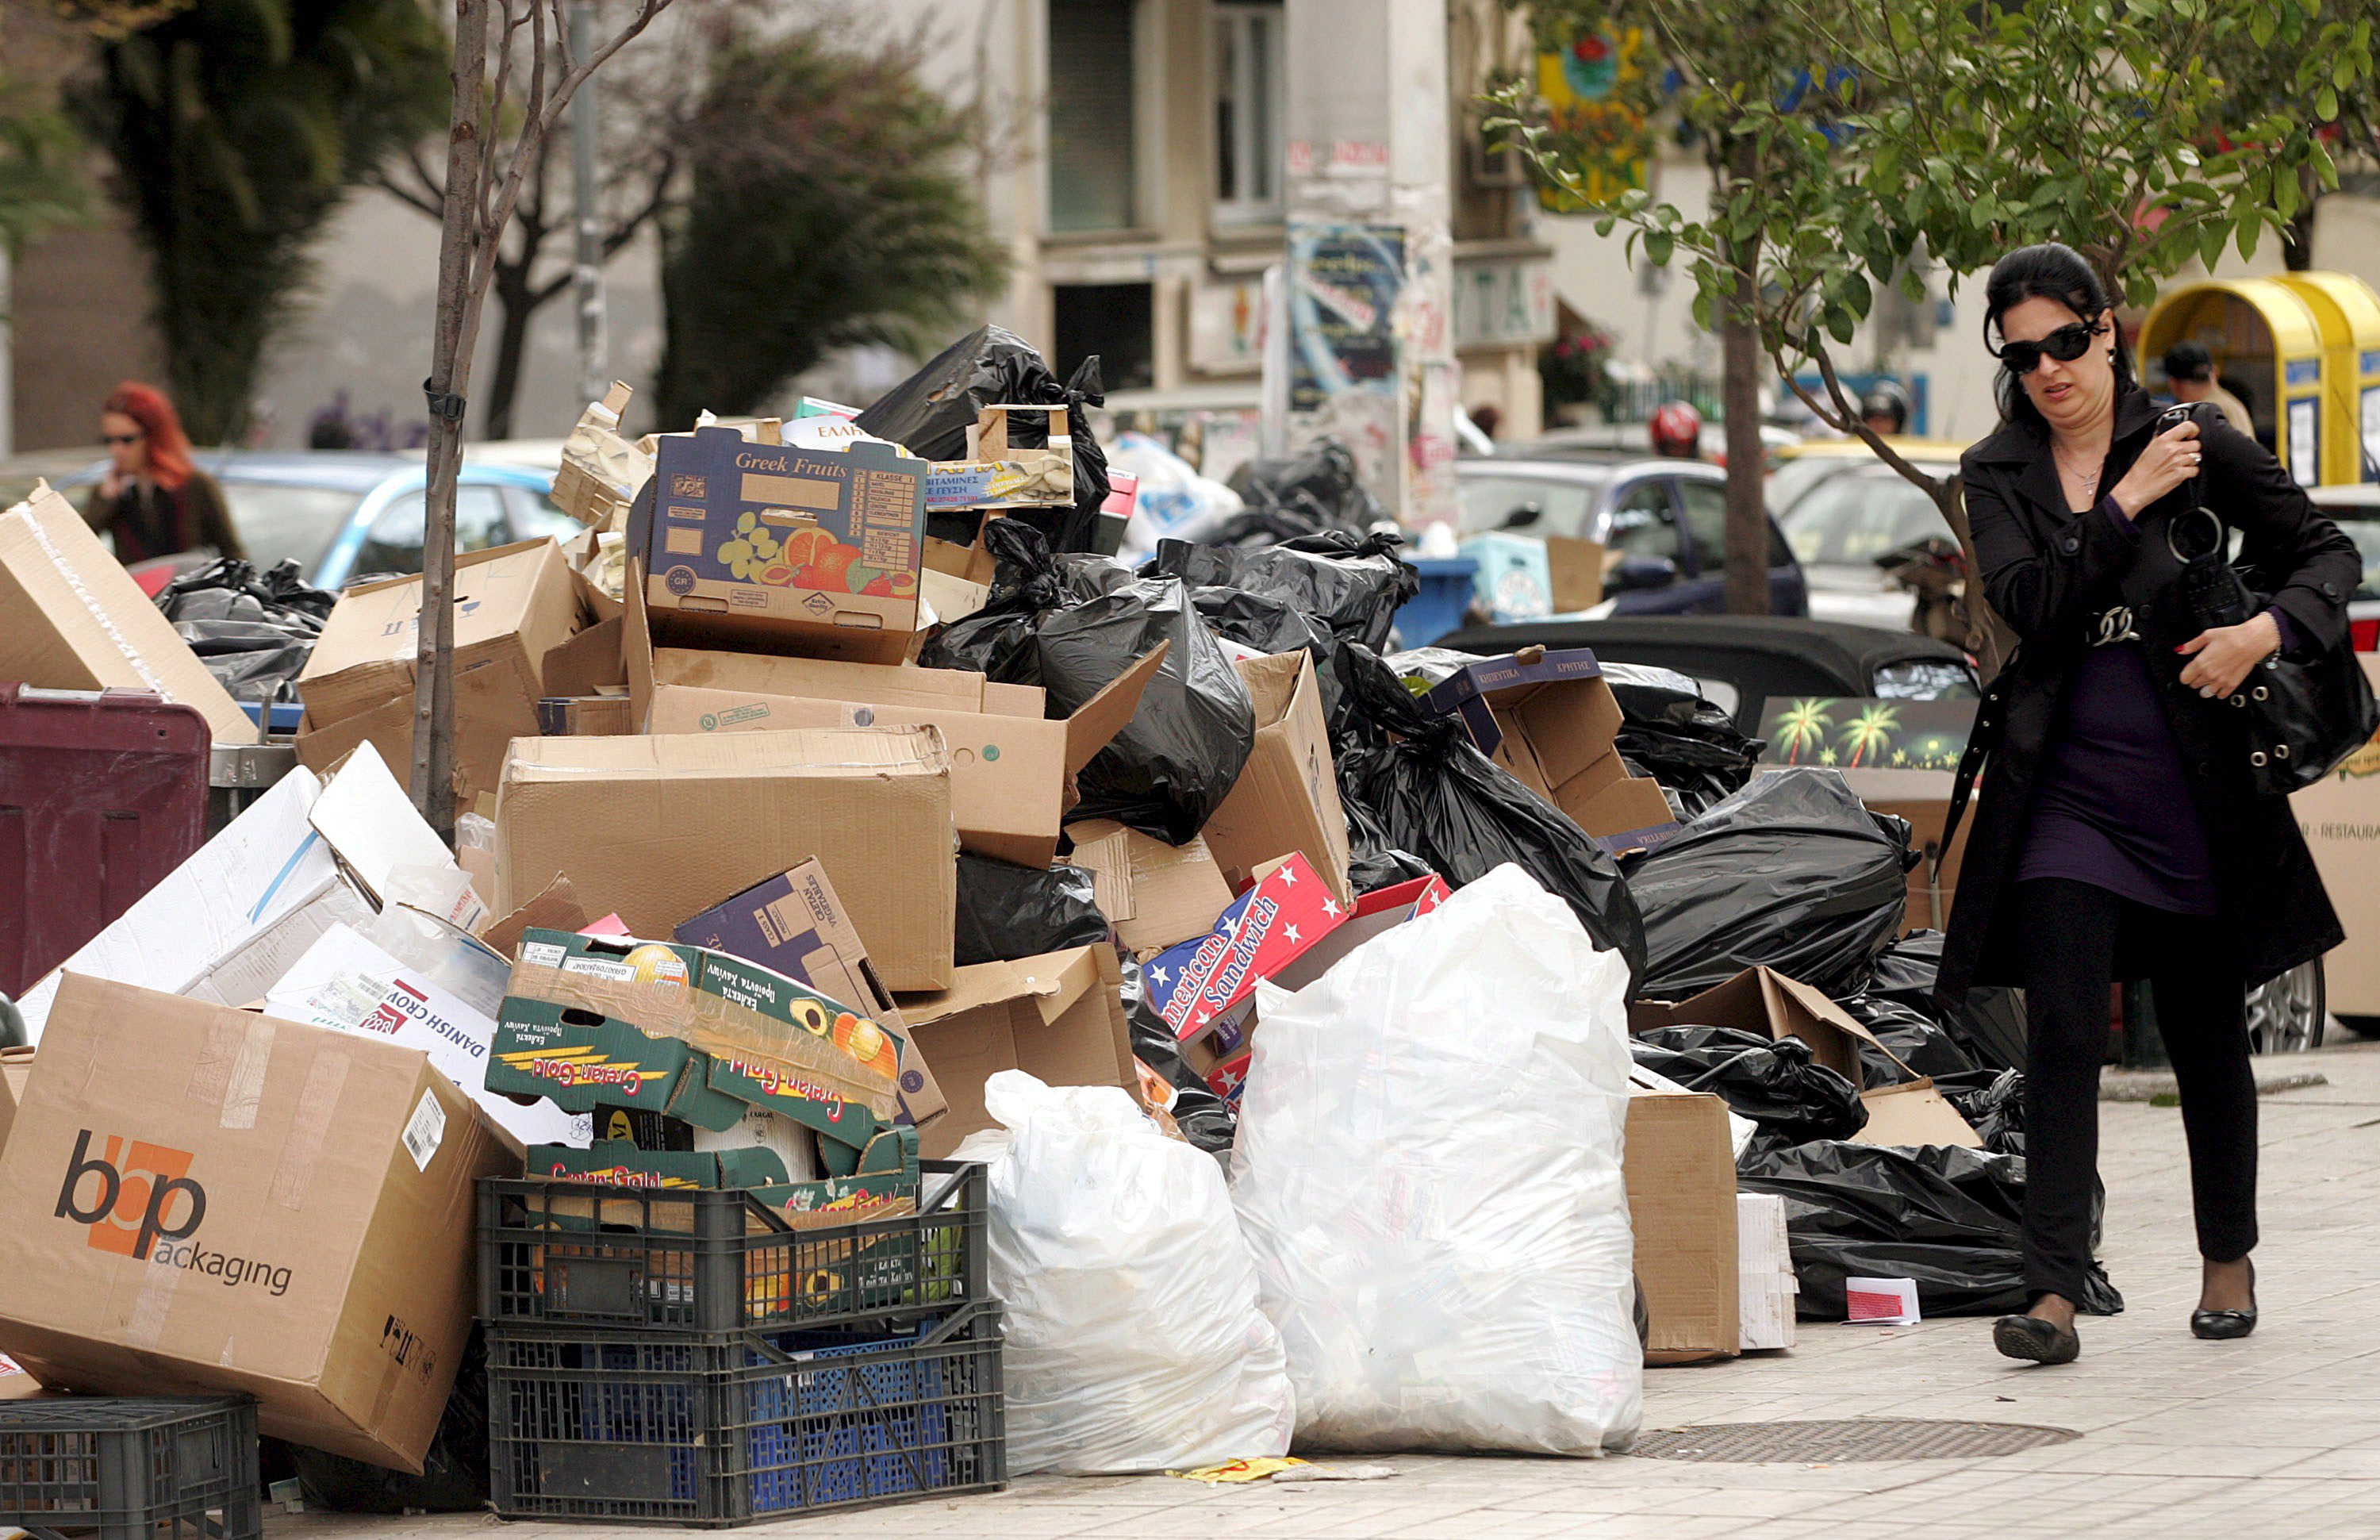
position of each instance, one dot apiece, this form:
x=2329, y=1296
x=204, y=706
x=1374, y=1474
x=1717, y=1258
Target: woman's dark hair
x=2049, y=271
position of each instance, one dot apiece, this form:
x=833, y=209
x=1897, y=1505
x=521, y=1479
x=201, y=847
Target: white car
x=2356, y=510
x=1838, y=528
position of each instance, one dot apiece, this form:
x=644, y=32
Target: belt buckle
x=2112, y=626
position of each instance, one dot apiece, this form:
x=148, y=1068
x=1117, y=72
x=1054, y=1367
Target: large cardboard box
x=815, y=547
x=2340, y=818
x=1680, y=1167
x=1059, y=1017
x=489, y=712
x=198, y=1199
x=72, y=619
x=659, y=829
x=1765, y=1001
x=512, y=605
x=16, y=1065
x=1012, y=777
x=1549, y=718
x=1152, y=893
x=1287, y=796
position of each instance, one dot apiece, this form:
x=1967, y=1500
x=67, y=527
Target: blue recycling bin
x=1437, y=608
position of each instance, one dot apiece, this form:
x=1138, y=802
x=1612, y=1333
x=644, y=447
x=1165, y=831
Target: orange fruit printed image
x=867, y=1042
x=819, y=549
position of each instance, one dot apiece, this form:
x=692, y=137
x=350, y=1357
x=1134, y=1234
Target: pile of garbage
x=845, y=830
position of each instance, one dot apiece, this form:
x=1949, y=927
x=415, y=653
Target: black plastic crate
x=147, y=1468
x=642, y=1427
x=686, y=1259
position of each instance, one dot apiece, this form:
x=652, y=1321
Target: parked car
x=1841, y=508
x=345, y=515
x=2355, y=508
x=1797, y=467
x=1633, y=437
x=1665, y=520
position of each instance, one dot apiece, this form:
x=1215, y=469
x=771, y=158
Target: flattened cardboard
x=1680, y=1168
x=1154, y=894
x=557, y=908
x=2340, y=818
x=795, y=924
x=682, y=819
x=1059, y=1017
x=1575, y=569
x=307, y=1237
x=71, y=618
x=11, y=1078
x=1012, y=777
x=588, y=663
x=1287, y=796
x=512, y=605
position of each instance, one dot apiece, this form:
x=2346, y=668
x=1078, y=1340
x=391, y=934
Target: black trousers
x=2074, y=940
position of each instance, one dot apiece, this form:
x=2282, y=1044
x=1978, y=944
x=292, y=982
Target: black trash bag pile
x=1914, y=1044
x=1373, y=861
x=1949, y=1217
x=1997, y=1111
x=1793, y=872
x=929, y=412
x=1775, y=1082
x=1352, y=584
x=253, y=632
x=1990, y=1023
x=1273, y=625
x=1687, y=744
x=1006, y=911
x=1204, y=1118
x=1176, y=760
x=1313, y=489
x=1433, y=793
x=453, y=1477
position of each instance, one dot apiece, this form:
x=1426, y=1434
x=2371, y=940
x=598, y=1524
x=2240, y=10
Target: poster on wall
x=1343, y=285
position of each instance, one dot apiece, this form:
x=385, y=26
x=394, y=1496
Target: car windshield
x=1563, y=502
x=1790, y=481
x=276, y=520
x=1856, y=517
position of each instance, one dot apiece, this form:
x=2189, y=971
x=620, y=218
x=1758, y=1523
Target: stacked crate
x=682, y=1356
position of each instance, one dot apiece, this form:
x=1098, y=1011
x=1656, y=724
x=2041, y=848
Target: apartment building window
x=1092, y=153
x=1114, y=321
x=1248, y=111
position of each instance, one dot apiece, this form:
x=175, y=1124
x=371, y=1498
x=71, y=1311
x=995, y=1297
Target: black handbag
x=2300, y=716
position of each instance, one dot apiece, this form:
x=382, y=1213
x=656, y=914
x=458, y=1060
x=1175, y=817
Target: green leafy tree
x=1853, y=138
x=236, y=129
x=40, y=183
x=828, y=205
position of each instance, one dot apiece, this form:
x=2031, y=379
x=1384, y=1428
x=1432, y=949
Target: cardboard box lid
x=514, y=602
x=1056, y=1016
x=1095, y=723
x=71, y=618
x=1049, y=984
x=1286, y=799
x=1153, y=893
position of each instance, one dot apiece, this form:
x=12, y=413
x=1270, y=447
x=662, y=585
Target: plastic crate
x=132, y=1469
x=1439, y=604
x=711, y=1261
x=648, y=1428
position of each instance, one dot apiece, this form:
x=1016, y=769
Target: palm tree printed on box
x=1804, y=727
x=1869, y=734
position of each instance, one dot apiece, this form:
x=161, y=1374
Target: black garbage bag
x=1373, y=861
x=1275, y=626
x=1921, y=1045
x=1686, y=743
x=1431, y=792
x=1204, y=1118
x=1950, y=1217
x=1352, y=584
x=1775, y=1082
x=1996, y=1109
x=254, y=633
x=1315, y=489
x=1006, y=911
x=1793, y=872
x=1051, y=625
x=453, y=1477
x=929, y=412
x=1990, y=1023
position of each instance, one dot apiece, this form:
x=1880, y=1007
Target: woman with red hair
x=153, y=500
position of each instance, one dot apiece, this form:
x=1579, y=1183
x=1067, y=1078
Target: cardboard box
x=1205, y=988
x=16, y=1384
x=659, y=829
x=795, y=924
x=2340, y=818
x=72, y=619
x=1575, y=569
x=1763, y=1270
x=512, y=605
x=16, y=1064
x=1765, y=1001
x=584, y=715
x=618, y=1163
x=816, y=547
x=1549, y=719
x=1059, y=1017
x=1513, y=578
x=995, y=475
x=202, y=1200
x=1012, y=777
x=1287, y=796
x=593, y=662
x=1680, y=1168
x=1154, y=894
x=489, y=712
x=600, y=471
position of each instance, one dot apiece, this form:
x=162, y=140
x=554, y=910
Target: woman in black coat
x=2117, y=834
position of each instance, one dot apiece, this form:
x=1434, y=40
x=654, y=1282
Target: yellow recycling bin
x=2264, y=337
x=2348, y=313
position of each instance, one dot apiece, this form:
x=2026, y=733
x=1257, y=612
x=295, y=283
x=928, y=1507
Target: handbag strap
x=1983, y=740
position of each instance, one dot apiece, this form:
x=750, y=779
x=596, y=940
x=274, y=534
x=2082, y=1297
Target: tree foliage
x=237, y=128
x=826, y=207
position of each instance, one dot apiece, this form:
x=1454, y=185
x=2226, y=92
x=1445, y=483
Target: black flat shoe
x=2226, y=1326
x=2035, y=1340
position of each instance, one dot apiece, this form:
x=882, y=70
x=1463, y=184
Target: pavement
x=2278, y=1433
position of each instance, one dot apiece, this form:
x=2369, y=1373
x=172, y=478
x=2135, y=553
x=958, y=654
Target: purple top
x=2111, y=805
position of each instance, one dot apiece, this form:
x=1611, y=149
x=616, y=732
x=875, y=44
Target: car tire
x=2287, y=1015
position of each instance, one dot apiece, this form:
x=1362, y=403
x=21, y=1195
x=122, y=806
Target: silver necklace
x=2090, y=479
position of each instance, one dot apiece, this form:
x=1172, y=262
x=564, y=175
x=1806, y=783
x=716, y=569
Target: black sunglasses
x=119, y=438
x=2066, y=344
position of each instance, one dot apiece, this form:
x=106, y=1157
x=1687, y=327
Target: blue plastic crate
x=1438, y=607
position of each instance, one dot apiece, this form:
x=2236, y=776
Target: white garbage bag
x=1174, y=503
x=1134, y=1338
x=1427, y=1169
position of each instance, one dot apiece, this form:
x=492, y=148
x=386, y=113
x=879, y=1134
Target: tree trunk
x=512, y=345
x=1988, y=636
x=449, y=369
x=1741, y=356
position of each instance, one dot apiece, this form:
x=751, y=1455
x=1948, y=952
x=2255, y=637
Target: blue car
x=345, y=515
